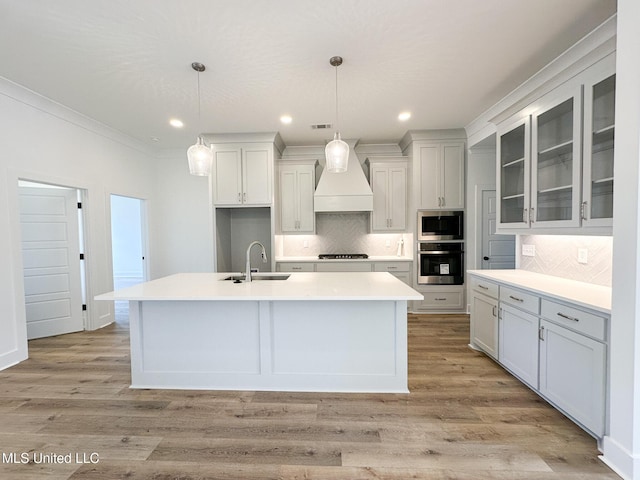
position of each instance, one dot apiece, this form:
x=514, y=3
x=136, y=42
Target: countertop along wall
x=557, y=255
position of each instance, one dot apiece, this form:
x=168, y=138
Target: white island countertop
x=588, y=295
x=299, y=286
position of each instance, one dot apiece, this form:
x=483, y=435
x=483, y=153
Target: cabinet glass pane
x=555, y=163
x=512, y=164
x=602, y=134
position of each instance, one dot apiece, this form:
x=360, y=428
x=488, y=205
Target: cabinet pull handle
x=516, y=298
x=583, y=210
x=524, y=215
x=494, y=311
x=483, y=287
x=239, y=198
x=296, y=268
x=532, y=215
x=564, y=315
x=439, y=201
x=541, y=333
x=392, y=268
x=244, y=196
x=390, y=223
x=440, y=299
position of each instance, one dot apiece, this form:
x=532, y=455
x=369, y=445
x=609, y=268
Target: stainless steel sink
x=257, y=277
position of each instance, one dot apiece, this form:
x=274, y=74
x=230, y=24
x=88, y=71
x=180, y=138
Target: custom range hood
x=344, y=192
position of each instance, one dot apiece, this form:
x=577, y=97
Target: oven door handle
x=439, y=252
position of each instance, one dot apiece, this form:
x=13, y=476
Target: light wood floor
x=465, y=418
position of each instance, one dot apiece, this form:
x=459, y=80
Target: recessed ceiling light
x=286, y=119
x=404, y=116
x=174, y=122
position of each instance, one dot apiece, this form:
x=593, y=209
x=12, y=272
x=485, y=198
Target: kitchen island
x=320, y=332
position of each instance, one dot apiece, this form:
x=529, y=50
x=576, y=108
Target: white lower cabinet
x=484, y=328
x=572, y=374
x=518, y=344
x=556, y=347
x=439, y=298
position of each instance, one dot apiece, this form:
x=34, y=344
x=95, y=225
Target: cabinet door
x=397, y=205
x=514, y=163
x=288, y=200
x=452, y=176
x=599, y=127
x=484, y=324
x=430, y=177
x=556, y=161
x=380, y=188
x=306, y=186
x=572, y=375
x=256, y=176
x=227, y=176
x=518, y=344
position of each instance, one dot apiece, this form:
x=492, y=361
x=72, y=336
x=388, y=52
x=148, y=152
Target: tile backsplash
x=557, y=255
x=343, y=233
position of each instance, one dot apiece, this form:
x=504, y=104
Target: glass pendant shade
x=337, y=155
x=200, y=158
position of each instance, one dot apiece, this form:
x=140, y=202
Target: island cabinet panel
x=221, y=346
x=318, y=343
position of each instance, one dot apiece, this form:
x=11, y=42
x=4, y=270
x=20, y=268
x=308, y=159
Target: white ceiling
x=127, y=63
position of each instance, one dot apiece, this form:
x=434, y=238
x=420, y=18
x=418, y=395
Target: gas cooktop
x=342, y=256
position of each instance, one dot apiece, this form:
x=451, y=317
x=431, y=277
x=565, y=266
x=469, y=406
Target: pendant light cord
x=337, y=121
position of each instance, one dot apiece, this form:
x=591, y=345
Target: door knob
x=485, y=258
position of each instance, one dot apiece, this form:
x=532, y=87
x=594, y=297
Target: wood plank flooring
x=465, y=418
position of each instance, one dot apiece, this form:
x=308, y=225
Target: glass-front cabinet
x=555, y=158
x=599, y=129
x=514, y=166
x=556, y=146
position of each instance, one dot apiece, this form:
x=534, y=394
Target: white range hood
x=344, y=192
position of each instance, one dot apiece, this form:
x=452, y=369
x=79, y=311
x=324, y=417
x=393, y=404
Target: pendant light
x=336, y=151
x=199, y=155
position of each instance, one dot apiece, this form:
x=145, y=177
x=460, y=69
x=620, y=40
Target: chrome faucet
x=248, y=267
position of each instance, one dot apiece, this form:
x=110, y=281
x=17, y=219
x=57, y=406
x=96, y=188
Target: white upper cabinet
x=556, y=152
x=599, y=129
x=441, y=175
x=242, y=174
x=389, y=186
x=555, y=158
x=514, y=166
x=295, y=201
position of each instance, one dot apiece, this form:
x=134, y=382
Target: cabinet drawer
x=391, y=267
x=296, y=267
x=343, y=267
x=437, y=300
x=483, y=286
x=578, y=320
x=520, y=299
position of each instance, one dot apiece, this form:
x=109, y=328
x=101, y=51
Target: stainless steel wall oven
x=441, y=263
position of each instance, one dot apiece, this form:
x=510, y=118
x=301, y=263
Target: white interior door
x=51, y=260
x=498, y=251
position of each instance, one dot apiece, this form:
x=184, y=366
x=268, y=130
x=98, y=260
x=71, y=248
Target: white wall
x=183, y=235
x=43, y=141
x=622, y=445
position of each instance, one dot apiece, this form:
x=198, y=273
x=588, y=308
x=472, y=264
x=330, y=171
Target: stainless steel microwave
x=440, y=225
